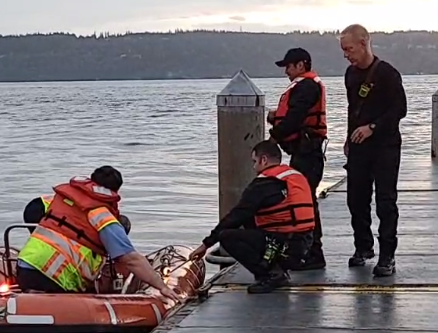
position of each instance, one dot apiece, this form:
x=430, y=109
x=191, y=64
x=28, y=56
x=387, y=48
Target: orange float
x=121, y=302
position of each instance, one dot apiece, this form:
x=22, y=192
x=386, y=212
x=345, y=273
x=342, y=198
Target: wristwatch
x=372, y=126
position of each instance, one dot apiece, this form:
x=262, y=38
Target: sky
x=84, y=17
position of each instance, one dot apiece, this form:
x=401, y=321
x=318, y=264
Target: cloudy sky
x=87, y=16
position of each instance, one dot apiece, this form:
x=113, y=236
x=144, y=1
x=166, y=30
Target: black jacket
x=261, y=193
x=385, y=105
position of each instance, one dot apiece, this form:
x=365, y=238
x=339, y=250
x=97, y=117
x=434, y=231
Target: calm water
x=160, y=134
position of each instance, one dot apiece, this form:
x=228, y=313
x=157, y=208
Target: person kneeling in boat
x=37, y=208
x=67, y=250
x=279, y=201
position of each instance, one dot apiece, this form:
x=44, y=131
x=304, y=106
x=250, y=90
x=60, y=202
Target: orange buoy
x=129, y=305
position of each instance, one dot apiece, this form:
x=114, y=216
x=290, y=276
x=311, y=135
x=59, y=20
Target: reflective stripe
x=81, y=179
x=112, y=313
x=67, y=252
x=55, y=267
x=282, y=174
x=288, y=173
x=157, y=313
x=30, y=319
x=102, y=190
x=101, y=217
x=11, y=306
x=294, y=82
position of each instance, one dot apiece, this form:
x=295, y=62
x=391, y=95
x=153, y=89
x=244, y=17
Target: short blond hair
x=357, y=31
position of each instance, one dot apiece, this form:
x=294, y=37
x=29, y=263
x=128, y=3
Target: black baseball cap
x=294, y=56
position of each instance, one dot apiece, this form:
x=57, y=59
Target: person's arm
x=348, y=95
x=120, y=249
x=396, y=95
x=304, y=96
x=261, y=193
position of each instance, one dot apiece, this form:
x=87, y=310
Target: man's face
x=292, y=71
x=260, y=162
x=354, y=49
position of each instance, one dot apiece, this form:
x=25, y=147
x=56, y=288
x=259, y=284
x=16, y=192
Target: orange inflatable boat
x=120, y=303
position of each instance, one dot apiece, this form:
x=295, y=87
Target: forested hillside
x=194, y=54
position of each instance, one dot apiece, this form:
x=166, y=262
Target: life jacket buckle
x=118, y=282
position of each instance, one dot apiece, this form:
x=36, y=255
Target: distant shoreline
x=175, y=79
x=195, y=55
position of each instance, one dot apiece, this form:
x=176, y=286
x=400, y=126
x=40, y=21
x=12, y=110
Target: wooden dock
x=338, y=299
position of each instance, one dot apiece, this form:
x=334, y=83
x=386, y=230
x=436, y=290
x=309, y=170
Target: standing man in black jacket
x=300, y=128
x=376, y=104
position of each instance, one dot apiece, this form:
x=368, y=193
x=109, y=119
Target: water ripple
x=161, y=135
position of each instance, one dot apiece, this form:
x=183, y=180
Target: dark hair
x=108, y=177
x=307, y=66
x=269, y=149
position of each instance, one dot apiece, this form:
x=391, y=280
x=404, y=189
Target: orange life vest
x=68, y=212
x=295, y=213
x=315, y=121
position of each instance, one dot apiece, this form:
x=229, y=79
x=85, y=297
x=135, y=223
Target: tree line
x=193, y=54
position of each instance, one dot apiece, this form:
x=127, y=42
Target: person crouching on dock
x=276, y=211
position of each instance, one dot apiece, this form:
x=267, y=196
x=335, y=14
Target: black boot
x=268, y=284
x=385, y=266
x=359, y=258
x=315, y=260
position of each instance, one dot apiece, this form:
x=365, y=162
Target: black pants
x=33, y=279
x=311, y=165
x=34, y=212
x=365, y=166
x=248, y=246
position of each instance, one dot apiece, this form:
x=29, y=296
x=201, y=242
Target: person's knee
x=225, y=235
x=229, y=238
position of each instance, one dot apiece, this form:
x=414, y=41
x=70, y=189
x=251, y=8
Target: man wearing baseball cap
x=300, y=129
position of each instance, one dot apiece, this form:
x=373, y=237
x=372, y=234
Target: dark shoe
x=268, y=284
x=359, y=258
x=316, y=261
x=385, y=266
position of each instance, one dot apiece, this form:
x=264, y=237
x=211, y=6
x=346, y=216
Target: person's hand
x=346, y=148
x=270, y=118
x=167, y=292
x=361, y=133
x=199, y=253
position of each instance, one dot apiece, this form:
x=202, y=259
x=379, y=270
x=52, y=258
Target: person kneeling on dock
x=67, y=250
x=279, y=201
x=37, y=208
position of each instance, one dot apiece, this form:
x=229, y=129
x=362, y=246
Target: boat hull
x=136, y=306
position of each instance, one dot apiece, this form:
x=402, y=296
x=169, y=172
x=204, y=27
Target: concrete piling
x=240, y=126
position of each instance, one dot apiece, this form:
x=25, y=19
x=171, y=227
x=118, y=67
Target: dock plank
x=411, y=270
x=237, y=311
x=417, y=253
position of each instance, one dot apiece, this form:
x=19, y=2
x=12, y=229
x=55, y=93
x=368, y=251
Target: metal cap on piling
x=240, y=91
